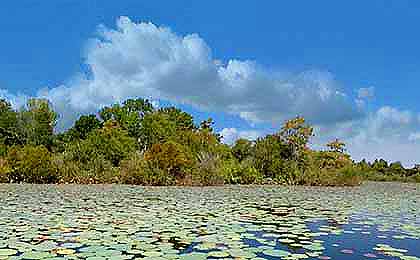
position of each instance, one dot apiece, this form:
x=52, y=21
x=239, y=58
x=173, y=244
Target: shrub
x=415, y=178
x=4, y=171
x=209, y=170
x=96, y=169
x=249, y=174
x=231, y=171
x=137, y=171
x=31, y=164
x=347, y=176
x=170, y=157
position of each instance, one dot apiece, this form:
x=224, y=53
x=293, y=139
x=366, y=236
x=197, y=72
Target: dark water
x=374, y=221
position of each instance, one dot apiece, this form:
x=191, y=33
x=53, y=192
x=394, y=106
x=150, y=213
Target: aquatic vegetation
x=373, y=220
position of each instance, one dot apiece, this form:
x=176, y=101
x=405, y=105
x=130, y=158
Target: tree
x=380, y=165
x=163, y=125
x=296, y=134
x=336, y=146
x=37, y=122
x=242, y=149
x=83, y=126
x=363, y=165
x=207, y=125
x=110, y=142
x=128, y=115
x=170, y=157
x=184, y=121
x=9, y=134
x=396, y=168
x=270, y=153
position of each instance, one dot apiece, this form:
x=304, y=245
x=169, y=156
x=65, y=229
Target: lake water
x=373, y=221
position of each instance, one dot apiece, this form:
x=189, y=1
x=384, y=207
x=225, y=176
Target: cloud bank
x=387, y=133
x=141, y=59
x=145, y=60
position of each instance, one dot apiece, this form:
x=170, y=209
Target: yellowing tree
x=296, y=133
x=337, y=146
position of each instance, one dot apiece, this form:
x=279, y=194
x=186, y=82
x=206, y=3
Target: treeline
x=381, y=170
x=135, y=143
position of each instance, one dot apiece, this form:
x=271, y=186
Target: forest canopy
x=135, y=143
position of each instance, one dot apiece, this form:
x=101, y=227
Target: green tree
x=271, y=152
x=164, y=125
x=242, y=149
x=396, y=168
x=129, y=115
x=184, y=121
x=207, y=125
x=9, y=134
x=380, y=166
x=37, y=122
x=363, y=165
x=84, y=126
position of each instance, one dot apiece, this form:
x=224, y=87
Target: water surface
x=376, y=220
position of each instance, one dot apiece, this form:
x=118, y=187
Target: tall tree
x=83, y=126
x=128, y=115
x=37, y=122
x=9, y=134
x=296, y=133
x=242, y=149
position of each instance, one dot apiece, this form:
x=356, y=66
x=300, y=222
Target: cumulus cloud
x=142, y=59
x=387, y=133
x=230, y=135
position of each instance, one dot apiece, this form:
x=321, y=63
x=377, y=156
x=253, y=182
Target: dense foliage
x=134, y=143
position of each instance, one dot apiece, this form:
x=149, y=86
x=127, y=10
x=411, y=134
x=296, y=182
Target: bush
x=78, y=169
x=4, y=171
x=171, y=158
x=31, y=164
x=231, y=170
x=137, y=171
x=96, y=159
x=208, y=170
x=249, y=174
x=347, y=176
x=415, y=178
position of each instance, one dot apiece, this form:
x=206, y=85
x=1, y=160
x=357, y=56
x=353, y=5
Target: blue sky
x=323, y=46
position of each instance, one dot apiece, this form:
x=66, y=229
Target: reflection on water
x=376, y=220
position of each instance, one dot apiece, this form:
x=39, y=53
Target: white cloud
x=230, y=135
x=141, y=59
x=388, y=133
